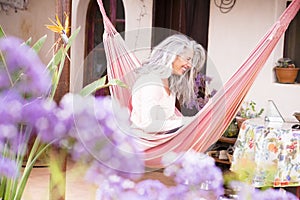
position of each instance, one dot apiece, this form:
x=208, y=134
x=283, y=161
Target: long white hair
x=160, y=63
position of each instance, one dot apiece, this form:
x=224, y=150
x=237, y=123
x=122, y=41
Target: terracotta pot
x=286, y=75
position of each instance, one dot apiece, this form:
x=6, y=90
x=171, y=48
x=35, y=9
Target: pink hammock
x=210, y=123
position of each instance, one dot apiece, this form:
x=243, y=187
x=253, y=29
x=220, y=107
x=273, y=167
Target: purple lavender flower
x=45, y=117
x=178, y=192
x=4, y=79
x=273, y=194
x=100, y=134
x=196, y=170
x=201, y=94
x=116, y=187
x=8, y=139
x=8, y=168
x=8, y=131
x=152, y=190
x=11, y=104
x=26, y=71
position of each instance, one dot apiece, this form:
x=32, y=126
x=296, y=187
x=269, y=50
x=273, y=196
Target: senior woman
x=167, y=74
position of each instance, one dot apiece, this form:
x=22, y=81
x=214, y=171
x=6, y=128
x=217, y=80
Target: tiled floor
x=76, y=187
x=38, y=184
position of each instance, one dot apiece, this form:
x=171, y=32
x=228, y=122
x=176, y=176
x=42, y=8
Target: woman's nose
x=188, y=64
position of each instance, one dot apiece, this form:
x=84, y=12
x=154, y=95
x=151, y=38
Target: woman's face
x=182, y=63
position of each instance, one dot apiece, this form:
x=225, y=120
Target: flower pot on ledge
x=286, y=71
x=286, y=75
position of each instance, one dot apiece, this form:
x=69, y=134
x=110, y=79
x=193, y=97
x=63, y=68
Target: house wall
x=234, y=35
x=138, y=15
x=79, y=12
x=31, y=23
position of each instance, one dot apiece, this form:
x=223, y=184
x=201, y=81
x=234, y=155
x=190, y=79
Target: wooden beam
x=58, y=158
x=63, y=6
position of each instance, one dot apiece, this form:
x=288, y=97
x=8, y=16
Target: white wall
x=234, y=35
x=138, y=15
x=79, y=12
x=31, y=23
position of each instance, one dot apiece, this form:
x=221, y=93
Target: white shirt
x=153, y=109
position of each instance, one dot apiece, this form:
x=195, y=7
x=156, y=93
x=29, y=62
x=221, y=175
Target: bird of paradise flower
x=63, y=31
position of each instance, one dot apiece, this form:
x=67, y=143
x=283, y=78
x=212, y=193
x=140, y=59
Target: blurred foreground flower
x=86, y=127
x=196, y=177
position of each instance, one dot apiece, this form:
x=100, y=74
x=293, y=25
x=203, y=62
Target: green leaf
x=53, y=70
x=99, y=84
x=72, y=38
x=117, y=82
x=61, y=63
x=55, y=59
x=2, y=61
x=59, y=59
x=92, y=87
x=2, y=34
x=28, y=42
x=58, y=56
x=39, y=44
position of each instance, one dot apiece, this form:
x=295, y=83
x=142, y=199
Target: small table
x=268, y=154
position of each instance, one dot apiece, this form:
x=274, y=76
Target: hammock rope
x=210, y=122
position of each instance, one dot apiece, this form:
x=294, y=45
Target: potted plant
x=248, y=110
x=286, y=71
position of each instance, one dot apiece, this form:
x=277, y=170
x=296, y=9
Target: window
x=94, y=66
x=292, y=42
x=190, y=17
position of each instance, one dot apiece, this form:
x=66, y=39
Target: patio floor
x=76, y=187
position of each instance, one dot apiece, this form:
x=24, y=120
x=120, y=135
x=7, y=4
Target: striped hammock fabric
x=211, y=121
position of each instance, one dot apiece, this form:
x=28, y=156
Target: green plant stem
x=2, y=186
x=27, y=170
x=8, y=192
x=2, y=34
x=5, y=186
x=61, y=66
x=21, y=153
x=6, y=69
x=29, y=165
x=58, y=161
